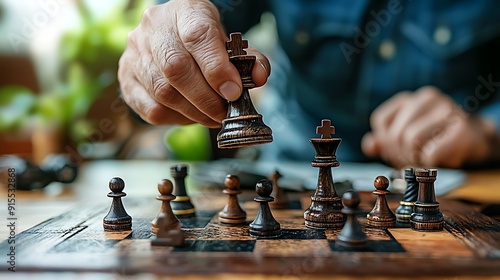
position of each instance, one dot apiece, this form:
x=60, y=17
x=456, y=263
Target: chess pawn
x=381, y=215
x=264, y=224
x=280, y=198
x=426, y=215
x=405, y=208
x=243, y=126
x=166, y=236
x=351, y=235
x=117, y=218
x=170, y=221
x=181, y=205
x=232, y=212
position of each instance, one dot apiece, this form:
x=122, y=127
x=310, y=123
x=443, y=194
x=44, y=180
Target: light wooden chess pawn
x=165, y=236
x=381, y=216
x=280, y=197
x=232, y=212
x=351, y=235
x=171, y=222
x=117, y=218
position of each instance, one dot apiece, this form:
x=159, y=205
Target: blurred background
x=58, y=84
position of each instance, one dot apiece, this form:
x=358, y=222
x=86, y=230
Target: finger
x=369, y=145
x=164, y=93
x=261, y=68
x=200, y=33
x=147, y=108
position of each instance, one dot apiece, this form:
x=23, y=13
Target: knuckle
x=164, y=92
x=176, y=66
x=156, y=115
x=149, y=14
x=195, y=33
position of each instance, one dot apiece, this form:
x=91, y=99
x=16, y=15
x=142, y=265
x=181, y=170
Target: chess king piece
x=181, y=205
x=243, y=126
x=426, y=215
x=405, y=208
x=280, y=198
x=264, y=224
x=232, y=212
x=170, y=221
x=325, y=209
x=351, y=235
x=381, y=215
x=117, y=218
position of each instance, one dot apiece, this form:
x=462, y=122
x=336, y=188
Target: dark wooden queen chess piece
x=405, y=208
x=325, y=210
x=243, y=126
x=381, y=215
x=232, y=213
x=117, y=218
x=181, y=205
x=426, y=215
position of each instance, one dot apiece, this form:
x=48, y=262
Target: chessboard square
x=291, y=248
x=199, y=221
x=217, y=246
x=290, y=224
x=84, y=246
x=142, y=247
x=219, y=232
x=378, y=246
x=371, y=233
x=302, y=234
x=287, y=214
x=192, y=233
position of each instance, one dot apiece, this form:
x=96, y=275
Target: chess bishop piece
x=381, y=215
x=352, y=235
x=232, y=212
x=264, y=224
x=325, y=209
x=117, y=218
x=170, y=221
x=405, y=208
x=243, y=126
x=426, y=215
x=181, y=205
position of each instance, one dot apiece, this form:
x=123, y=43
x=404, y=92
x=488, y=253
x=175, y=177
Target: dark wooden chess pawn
x=232, y=212
x=117, y=218
x=405, y=208
x=243, y=126
x=426, y=215
x=181, y=205
x=381, y=215
x=325, y=209
x=170, y=220
x=264, y=224
x=166, y=236
x=280, y=197
x=351, y=235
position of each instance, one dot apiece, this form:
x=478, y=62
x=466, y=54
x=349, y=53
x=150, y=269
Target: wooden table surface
x=141, y=177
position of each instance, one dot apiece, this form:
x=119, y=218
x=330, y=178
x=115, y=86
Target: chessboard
x=76, y=242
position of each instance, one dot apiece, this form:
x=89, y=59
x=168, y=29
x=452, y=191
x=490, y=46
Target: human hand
x=176, y=70
x=426, y=128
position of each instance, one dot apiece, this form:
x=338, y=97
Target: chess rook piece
x=232, y=212
x=170, y=220
x=243, y=126
x=166, y=236
x=351, y=235
x=264, y=224
x=181, y=205
x=280, y=198
x=426, y=215
x=405, y=208
x=325, y=209
x=117, y=218
x=381, y=215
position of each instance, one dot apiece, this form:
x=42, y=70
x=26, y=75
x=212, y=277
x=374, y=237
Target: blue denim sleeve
x=240, y=15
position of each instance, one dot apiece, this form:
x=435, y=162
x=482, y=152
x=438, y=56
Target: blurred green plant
x=89, y=55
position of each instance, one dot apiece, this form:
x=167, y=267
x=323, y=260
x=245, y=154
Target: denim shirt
x=341, y=59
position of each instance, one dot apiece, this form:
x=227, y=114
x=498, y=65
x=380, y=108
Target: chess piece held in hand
x=117, y=218
x=243, y=126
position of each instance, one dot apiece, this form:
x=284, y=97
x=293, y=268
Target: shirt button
x=301, y=37
x=442, y=35
x=387, y=50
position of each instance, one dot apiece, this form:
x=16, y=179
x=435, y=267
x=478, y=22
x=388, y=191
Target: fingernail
x=230, y=90
x=264, y=67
